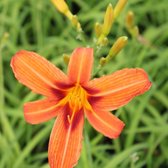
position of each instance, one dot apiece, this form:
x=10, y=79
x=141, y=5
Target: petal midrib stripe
x=39, y=75
x=119, y=89
x=80, y=68
x=66, y=145
x=105, y=123
x=41, y=111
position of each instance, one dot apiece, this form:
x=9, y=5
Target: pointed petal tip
x=119, y=88
x=18, y=53
x=120, y=129
x=37, y=73
x=14, y=57
x=114, y=135
x=146, y=77
x=105, y=122
x=13, y=64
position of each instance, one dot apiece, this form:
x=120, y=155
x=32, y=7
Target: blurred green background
x=36, y=25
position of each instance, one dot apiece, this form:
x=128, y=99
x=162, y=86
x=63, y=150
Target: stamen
x=70, y=118
x=76, y=98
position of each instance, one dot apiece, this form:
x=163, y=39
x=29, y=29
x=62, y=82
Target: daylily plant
x=73, y=96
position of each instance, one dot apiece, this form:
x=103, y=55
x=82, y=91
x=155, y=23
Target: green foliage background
x=36, y=25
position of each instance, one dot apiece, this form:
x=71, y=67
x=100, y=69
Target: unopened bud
x=66, y=58
x=108, y=20
x=117, y=47
x=62, y=7
x=104, y=41
x=135, y=31
x=119, y=7
x=130, y=20
x=103, y=61
x=98, y=29
x=130, y=25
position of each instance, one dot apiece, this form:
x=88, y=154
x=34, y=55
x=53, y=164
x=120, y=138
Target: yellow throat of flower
x=76, y=98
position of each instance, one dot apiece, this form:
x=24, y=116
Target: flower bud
x=103, y=61
x=119, y=7
x=66, y=58
x=130, y=20
x=108, y=20
x=62, y=7
x=117, y=47
x=98, y=29
x=135, y=31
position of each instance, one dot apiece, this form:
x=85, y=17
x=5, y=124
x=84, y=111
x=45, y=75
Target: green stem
x=6, y=128
x=99, y=68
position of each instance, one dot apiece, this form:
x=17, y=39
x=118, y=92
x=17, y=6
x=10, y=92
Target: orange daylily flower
x=71, y=96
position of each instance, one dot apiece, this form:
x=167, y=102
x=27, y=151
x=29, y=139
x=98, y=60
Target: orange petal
x=66, y=140
x=40, y=111
x=116, y=90
x=37, y=73
x=105, y=122
x=80, y=65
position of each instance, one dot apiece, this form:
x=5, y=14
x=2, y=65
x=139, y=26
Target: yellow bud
x=63, y=8
x=102, y=61
x=98, y=29
x=117, y=47
x=104, y=41
x=108, y=20
x=66, y=58
x=130, y=20
x=131, y=27
x=135, y=31
x=119, y=7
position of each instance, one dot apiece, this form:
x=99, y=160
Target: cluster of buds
x=130, y=25
x=64, y=9
x=133, y=29
x=101, y=30
x=115, y=49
